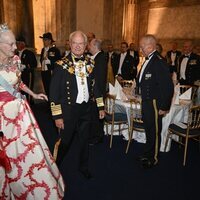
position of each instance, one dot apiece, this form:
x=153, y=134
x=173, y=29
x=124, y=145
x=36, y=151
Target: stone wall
x=170, y=20
x=167, y=19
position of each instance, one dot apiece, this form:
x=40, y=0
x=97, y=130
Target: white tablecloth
x=177, y=113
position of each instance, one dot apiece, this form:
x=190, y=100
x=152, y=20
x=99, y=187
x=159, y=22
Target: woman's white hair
x=3, y=28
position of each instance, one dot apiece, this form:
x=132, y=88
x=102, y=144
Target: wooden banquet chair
x=136, y=122
x=190, y=130
x=126, y=83
x=114, y=118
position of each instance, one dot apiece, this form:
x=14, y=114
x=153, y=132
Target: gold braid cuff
x=99, y=102
x=55, y=151
x=56, y=109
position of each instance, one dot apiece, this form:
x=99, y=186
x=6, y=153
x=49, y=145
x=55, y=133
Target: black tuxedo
x=128, y=70
x=156, y=91
x=77, y=117
x=100, y=72
x=192, y=72
x=28, y=59
x=53, y=55
x=173, y=68
x=135, y=55
x=100, y=75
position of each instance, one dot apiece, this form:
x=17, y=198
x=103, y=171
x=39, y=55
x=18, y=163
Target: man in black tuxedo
x=49, y=55
x=72, y=92
x=124, y=67
x=188, y=66
x=100, y=75
x=156, y=86
x=134, y=53
x=172, y=57
x=29, y=63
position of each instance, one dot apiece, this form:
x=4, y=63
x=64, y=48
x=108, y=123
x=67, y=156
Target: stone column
x=27, y=29
x=128, y=21
x=117, y=21
x=1, y=12
x=107, y=21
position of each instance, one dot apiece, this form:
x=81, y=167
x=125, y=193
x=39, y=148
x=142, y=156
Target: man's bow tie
x=79, y=59
x=147, y=57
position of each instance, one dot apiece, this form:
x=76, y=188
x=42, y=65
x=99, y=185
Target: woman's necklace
x=5, y=65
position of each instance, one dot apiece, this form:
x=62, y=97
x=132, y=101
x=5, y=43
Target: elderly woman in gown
x=27, y=169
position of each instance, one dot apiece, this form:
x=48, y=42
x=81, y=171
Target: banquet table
x=177, y=113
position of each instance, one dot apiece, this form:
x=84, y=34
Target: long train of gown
x=34, y=174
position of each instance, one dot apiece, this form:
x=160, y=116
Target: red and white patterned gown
x=34, y=174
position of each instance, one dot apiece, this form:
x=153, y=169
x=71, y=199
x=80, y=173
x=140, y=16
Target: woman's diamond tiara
x=3, y=28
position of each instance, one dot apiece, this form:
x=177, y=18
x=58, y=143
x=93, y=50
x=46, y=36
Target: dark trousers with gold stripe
x=77, y=124
x=153, y=126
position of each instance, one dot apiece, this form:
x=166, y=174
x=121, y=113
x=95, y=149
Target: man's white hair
x=78, y=32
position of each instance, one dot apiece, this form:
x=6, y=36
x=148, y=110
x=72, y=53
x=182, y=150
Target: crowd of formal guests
x=76, y=81
x=122, y=63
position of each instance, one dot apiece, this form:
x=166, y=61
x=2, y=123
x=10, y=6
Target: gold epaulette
x=92, y=61
x=55, y=151
x=99, y=102
x=60, y=62
x=55, y=109
x=89, y=59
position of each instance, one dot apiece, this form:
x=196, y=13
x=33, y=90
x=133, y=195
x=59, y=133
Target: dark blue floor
x=118, y=176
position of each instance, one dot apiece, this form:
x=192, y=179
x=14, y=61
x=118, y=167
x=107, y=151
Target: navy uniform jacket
x=53, y=56
x=100, y=72
x=28, y=58
x=192, y=72
x=128, y=70
x=156, y=82
x=64, y=90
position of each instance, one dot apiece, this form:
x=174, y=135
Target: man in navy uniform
x=189, y=65
x=156, y=88
x=71, y=95
x=29, y=63
x=49, y=55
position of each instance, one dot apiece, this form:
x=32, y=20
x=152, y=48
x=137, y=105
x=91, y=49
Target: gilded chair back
x=136, y=122
x=126, y=83
x=110, y=104
x=194, y=118
x=191, y=130
x=113, y=118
